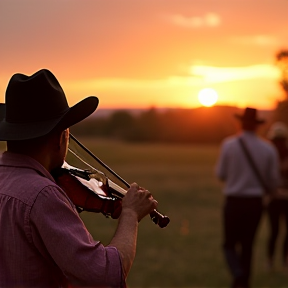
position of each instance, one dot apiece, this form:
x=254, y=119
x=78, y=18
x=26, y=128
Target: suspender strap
x=253, y=165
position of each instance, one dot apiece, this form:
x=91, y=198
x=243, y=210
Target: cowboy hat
x=250, y=115
x=36, y=104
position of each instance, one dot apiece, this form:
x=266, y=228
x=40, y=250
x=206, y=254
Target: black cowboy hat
x=36, y=104
x=250, y=115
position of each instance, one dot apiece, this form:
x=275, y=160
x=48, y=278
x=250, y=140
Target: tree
x=282, y=63
x=120, y=124
x=281, y=111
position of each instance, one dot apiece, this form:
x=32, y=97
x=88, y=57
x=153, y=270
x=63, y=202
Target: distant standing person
x=244, y=192
x=278, y=205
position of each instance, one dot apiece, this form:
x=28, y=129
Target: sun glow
x=207, y=97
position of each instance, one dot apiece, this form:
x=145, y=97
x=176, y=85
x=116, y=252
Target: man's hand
x=138, y=200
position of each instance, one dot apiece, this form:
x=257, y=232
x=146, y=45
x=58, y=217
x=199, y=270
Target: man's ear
x=64, y=138
x=56, y=139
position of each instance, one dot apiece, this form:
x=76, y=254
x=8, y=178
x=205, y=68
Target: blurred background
x=170, y=75
x=138, y=54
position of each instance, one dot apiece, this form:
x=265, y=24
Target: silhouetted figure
x=244, y=192
x=278, y=205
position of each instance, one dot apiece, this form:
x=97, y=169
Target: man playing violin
x=44, y=242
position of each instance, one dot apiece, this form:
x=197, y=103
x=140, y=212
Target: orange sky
x=143, y=53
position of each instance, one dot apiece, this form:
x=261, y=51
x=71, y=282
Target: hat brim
x=2, y=111
x=256, y=121
x=24, y=131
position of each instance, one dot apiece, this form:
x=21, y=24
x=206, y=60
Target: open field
x=188, y=252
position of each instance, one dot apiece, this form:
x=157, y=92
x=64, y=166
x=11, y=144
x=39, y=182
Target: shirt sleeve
x=221, y=165
x=58, y=231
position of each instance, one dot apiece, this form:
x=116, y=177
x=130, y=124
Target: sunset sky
x=144, y=53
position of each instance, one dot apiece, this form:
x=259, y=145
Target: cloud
x=133, y=84
x=207, y=20
x=257, y=40
x=198, y=75
x=225, y=74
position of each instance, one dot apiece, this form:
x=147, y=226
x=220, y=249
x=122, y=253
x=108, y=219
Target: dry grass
x=188, y=252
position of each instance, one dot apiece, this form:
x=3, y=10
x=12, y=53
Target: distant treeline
x=199, y=125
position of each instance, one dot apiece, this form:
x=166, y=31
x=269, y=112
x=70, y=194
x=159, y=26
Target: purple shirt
x=43, y=241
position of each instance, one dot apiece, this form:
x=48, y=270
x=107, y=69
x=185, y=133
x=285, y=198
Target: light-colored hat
x=278, y=130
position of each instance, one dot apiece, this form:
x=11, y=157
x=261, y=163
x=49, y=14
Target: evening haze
x=144, y=53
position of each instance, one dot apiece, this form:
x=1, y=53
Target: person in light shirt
x=44, y=242
x=244, y=193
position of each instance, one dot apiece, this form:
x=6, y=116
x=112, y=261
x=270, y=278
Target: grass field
x=187, y=253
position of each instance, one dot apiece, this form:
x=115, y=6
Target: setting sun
x=207, y=97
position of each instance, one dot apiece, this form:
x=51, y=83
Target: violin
x=91, y=189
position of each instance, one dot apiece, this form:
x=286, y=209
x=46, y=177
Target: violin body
x=95, y=187
x=86, y=199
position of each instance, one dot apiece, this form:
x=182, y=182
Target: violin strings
x=82, y=160
x=100, y=162
x=121, y=191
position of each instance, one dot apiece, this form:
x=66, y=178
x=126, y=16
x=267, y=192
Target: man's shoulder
x=230, y=140
x=37, y=183
x=266, y=143
x=263, y=147
x=26, y=185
